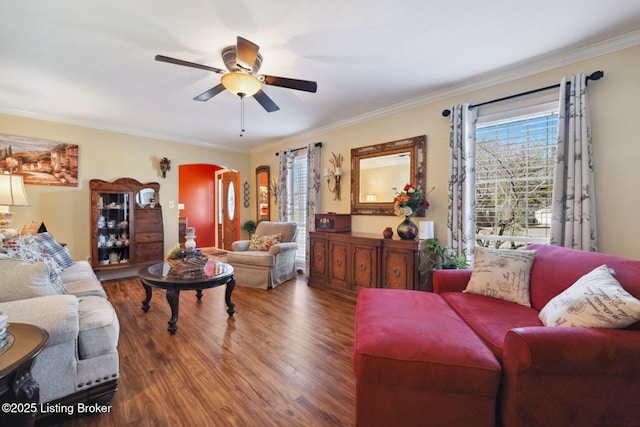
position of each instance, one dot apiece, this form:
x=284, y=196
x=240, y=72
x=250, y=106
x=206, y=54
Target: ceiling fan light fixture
x=241, y=83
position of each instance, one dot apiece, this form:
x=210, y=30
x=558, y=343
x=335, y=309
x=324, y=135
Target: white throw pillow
x=596, y=300
x=502, y=274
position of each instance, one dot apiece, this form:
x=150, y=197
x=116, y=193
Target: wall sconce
x=12, y=193
x=335, y=172
x=165, y=166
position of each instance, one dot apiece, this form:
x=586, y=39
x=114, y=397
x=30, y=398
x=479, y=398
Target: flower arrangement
x=410, y=202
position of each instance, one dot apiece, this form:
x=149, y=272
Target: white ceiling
x=91, y=63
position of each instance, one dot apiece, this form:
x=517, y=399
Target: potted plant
x=441, y=257
x=250, y=227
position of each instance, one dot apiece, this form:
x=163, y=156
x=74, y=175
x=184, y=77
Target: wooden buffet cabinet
x=126, y=223
x=345, y=263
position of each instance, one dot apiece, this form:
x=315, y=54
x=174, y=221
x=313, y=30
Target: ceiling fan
x=243, y=62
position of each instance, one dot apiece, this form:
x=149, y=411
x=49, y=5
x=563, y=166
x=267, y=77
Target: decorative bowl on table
x=186, y=261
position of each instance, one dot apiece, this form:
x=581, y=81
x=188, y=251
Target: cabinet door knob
x=395, y=272
x=363, y=266
x=339, y=261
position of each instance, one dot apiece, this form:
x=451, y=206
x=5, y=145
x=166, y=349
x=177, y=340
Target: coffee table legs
x=173, y=298
x=145, y=301
x=227, y=296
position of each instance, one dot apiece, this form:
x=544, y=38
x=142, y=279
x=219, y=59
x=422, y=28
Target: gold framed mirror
x=380, y=171
x=262, y=194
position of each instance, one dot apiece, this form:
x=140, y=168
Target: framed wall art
x=39, y=161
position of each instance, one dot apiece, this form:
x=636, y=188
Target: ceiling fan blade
x=205, y=96
x=246, y=53
x=163, y=58
x=266, y=102
x=305, y=85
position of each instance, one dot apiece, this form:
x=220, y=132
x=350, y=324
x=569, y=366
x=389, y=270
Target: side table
x=19, y=392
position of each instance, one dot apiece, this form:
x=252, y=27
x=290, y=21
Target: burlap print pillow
x=596, y=300
x=502, y=274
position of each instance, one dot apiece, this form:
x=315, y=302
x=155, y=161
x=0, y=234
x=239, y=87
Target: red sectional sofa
x=450, y=358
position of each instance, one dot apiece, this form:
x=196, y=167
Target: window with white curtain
x=515, y=160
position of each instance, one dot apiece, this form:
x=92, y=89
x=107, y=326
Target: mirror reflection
x=144, y=197
x=382, y=176
x=262, y=193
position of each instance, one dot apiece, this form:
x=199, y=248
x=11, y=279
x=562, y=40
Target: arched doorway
x=197, y=198
x=204, y=208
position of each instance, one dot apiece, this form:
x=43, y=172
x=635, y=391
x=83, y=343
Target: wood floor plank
x=284, y=359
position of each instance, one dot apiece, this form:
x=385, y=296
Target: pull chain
x=241, y=114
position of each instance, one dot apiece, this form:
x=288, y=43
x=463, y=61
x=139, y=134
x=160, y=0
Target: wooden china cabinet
x=126, y=223
x=345, y=263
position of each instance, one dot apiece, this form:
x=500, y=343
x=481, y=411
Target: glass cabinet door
x=113, y=227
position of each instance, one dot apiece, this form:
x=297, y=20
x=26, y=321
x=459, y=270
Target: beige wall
x=616, y=148
x=108, y=156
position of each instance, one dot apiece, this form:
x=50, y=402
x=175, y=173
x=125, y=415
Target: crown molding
x=520, y=70
x=118, y=129
x=527, y=68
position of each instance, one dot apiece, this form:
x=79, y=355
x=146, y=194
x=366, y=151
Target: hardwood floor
x=283, y=359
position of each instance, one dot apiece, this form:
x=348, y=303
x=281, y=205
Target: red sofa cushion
x=395, y=344
x=491, y=318
x=417, y=363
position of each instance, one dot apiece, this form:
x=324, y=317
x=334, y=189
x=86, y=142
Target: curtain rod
x=596, y=75
x=317, y=144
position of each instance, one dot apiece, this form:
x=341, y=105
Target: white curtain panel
x=462, y=177
x=285, y=162
x=314, y=170
x=573, y=213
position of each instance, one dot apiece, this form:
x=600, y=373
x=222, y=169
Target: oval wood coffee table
x=160, y=275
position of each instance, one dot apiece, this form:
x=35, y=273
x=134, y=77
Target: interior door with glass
x=229, y=212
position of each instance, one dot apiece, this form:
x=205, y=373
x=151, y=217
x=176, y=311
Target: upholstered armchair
x=268, y=259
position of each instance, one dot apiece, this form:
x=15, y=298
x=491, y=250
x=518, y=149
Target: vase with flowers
x=408, y=203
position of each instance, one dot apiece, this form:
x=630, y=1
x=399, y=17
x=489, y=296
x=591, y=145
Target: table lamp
x=12, y=193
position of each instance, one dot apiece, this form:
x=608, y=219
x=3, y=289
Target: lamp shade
x=241, y=83
x=426, y=230
x=12, y=191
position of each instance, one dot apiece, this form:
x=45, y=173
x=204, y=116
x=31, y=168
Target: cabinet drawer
x=149, y=237
x=365, y=267
x=148, y=220
x=339, y=265
x=147, y=252
x=319, y=258
x=398, y=269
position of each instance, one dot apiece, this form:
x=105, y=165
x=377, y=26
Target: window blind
x=300, y=198
x=515, y=160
